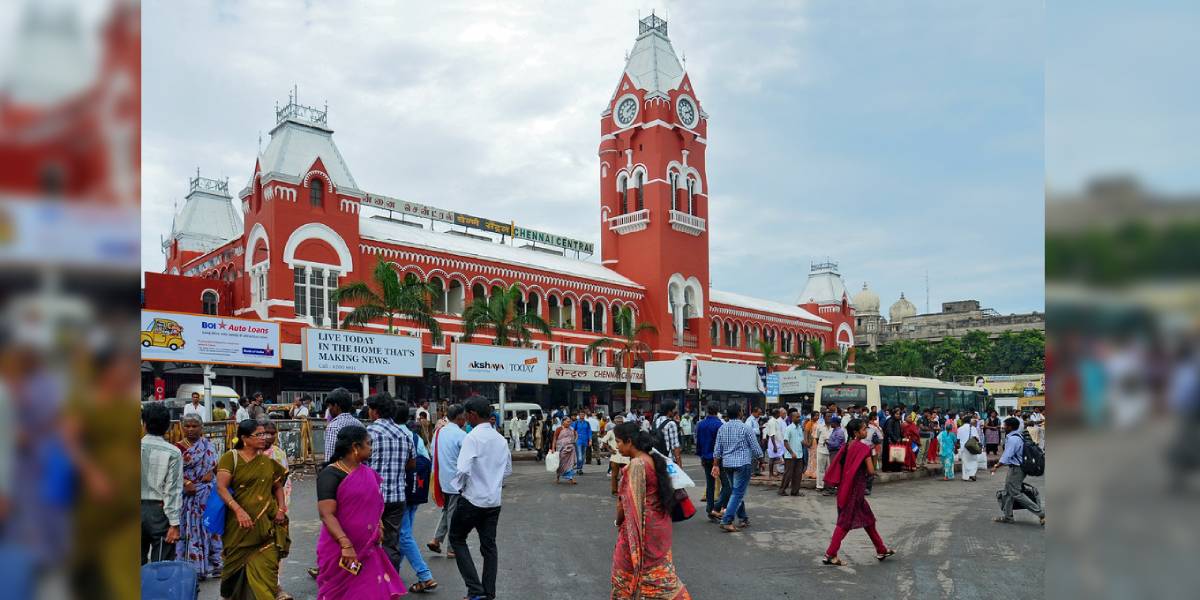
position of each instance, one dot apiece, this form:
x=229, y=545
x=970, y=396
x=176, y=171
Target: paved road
x=557, y=541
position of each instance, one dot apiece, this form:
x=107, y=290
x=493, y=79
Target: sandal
x=729, y=528
x=832, y=560
x=881, y=557
x=1003, y=520
x=423, y=586
x=282, y=595
x=434, y=547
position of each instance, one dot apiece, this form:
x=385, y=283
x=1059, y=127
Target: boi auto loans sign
x=354, y=352
x=192, y=338
x=498, y=364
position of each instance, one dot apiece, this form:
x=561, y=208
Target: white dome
x=902, y=309
x=866, y=301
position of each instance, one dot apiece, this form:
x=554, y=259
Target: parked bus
x=909, y=391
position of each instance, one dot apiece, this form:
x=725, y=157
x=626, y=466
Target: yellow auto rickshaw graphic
x=163, y=333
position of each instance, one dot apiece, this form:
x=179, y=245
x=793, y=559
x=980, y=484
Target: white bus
x=889, y=391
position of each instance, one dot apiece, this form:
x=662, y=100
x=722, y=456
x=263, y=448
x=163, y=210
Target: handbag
x=552, y=461
x=214, y=511
x=896, y=453
x=973, y=445
x=683, y=509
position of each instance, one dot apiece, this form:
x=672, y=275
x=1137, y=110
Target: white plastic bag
x=679, y=479
x=552, y=461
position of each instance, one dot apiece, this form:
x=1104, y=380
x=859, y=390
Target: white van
x=219, y=392
x=520, y=410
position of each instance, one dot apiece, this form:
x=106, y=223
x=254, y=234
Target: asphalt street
x=556, y=541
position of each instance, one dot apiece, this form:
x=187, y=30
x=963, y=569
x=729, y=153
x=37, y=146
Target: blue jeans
x=740, y=479
x=580, y=448
x=408, y=545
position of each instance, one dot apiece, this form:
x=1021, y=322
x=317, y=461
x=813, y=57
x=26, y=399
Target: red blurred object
x=160, y=388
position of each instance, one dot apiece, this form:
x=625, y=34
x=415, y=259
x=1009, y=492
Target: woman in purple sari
x=351, y=561
x=196, y=545
x=848, y=472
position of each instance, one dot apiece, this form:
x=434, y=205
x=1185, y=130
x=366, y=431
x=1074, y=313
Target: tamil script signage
x=592, y=373
x=357, y=353
x=498, y=364
x=549, y=239
x=209, y=339
x=409, y=208
x=484, y=224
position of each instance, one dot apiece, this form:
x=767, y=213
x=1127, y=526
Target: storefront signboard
x=209, y=339
x=499, y=364
x=593, y=373
x=409, y=208
x=358, y=353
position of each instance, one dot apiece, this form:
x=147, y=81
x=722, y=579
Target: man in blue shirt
x=583, y=441
x=446, y=444
x=706, y=439
x=735, y=453
x=1014, y=453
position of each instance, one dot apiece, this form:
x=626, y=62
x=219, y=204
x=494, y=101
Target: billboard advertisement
x=499, y=364
x=358, y=353
x=211, y=339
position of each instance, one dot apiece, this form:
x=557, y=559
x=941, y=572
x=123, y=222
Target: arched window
x=555, y=308
x=585, y=315
x=598, y=318
x=638, y=185
x=616, y=321
x=438, y=297
x=674, y=190
x=714, y=334
x=478, y=291
x=316, y=192
x=208, y=302
x=624, y=183
x=455, y=298
x=691, y=196
x=534, y=305
x=568, y=313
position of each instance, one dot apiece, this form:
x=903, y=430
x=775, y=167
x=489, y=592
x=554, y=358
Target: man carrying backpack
x=667, y=431
x=1014, y=457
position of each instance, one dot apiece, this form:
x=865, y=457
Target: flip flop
x=832, y=560
x=882, y=557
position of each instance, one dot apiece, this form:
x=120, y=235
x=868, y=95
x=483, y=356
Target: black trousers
x=154, y=533
x=710, y=484
x=467, y=516
x=393, y=515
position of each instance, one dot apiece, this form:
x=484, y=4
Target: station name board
x=550, y=239
x=409, y=208
x=484, y=224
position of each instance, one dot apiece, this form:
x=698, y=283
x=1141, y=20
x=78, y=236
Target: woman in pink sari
x=351, y=562
x=642, y=565
x=848, y=471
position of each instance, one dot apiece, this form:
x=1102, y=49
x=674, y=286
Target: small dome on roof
x=866, y=301
x=902, y=309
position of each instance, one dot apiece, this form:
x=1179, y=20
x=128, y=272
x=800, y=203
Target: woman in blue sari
x=196, y=545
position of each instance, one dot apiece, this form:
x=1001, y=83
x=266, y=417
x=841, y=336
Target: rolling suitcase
x=169, y=580
x=1029, y=490
x=16, y=571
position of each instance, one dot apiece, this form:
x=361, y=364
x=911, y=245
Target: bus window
x=844, y=394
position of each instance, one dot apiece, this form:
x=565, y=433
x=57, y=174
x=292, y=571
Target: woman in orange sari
x=642, y=565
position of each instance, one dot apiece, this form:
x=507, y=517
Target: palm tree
x=817, y=357
x=630, y=350
x=769, y=357
x=841, y=364
x=499, y=314
x=395, y=298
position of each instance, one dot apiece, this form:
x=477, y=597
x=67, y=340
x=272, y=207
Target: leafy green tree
x=391, y=298
x=498, y=313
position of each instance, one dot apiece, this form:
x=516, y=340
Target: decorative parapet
x=630, y=222
x=689, y=224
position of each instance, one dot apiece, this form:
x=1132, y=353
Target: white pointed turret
x=208, y=218
x=653, y=65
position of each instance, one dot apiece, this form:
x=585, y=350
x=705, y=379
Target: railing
x=689, y=224
x=297, y=437
x=630, y=222
x=688, y=340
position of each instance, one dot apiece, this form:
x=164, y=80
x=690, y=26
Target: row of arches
x=734, y=333
x=685, y=189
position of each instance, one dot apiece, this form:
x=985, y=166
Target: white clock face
x=686, y=109
x=626, y=112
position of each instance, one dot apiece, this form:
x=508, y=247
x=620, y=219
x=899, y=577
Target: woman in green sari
x=251, y=485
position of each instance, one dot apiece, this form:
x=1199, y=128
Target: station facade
x=302, y=225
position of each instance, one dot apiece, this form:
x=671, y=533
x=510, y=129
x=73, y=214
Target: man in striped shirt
x=735, y=453
x=162, y=486
x=340, y=415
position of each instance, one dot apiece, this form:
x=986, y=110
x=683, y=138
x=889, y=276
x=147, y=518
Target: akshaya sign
x=192, y=338
x=498, y=364
x=354, y=352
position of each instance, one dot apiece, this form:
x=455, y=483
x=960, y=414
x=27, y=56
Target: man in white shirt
x=242, y=413
x=773, y=435
x=752, y=422
x=303, y=408
x=970, y=462
x=594, y=422
x=196, y=407
x=483, y=464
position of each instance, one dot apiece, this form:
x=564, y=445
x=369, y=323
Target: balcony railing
x=689, y=224
x=688, y=340
x=630, y=222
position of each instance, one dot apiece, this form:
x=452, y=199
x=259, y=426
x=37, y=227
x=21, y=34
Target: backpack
x=1033, y=459
x=838, y=436
x=660, y=440
x=416, y=481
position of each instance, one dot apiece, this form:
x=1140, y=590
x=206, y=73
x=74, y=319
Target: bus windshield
x=844, y=394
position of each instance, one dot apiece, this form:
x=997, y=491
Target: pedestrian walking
x=447, y=443
x=970, y=447
x=992, y=431
x=793, y=444
x=564, y=444
x=893, y=436
x=642, y=565
x=616, y=461
x=593, y=440
x=912, y=442
x=849, y=472
x=928, y=430
x=735, y=453
x=668, y=429
x=196, y=545
x=947, y=448
x=353, y=563
x=773, y=439
x=810, y=444
x=583, y=440
x=706, y=440
x=394, y=450
x=830, y=439
x=483, y=464
x=162, y=486
x=339, y=405
x=251, y=485
x=1014, y=481
x=283, y=537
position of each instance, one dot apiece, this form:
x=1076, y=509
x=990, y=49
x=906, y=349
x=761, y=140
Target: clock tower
x=654, y=191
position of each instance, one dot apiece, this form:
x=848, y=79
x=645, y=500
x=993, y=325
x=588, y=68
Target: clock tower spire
x=654, y=190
